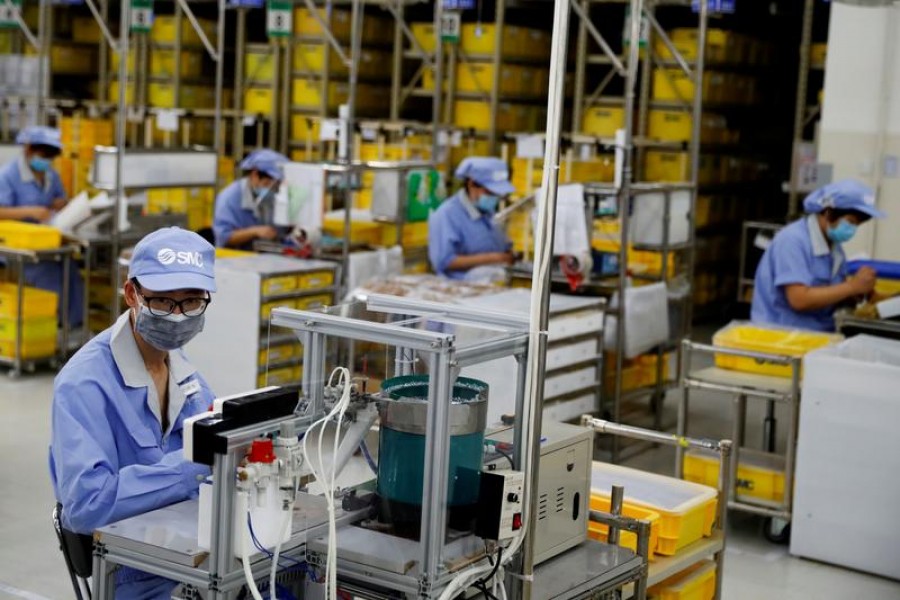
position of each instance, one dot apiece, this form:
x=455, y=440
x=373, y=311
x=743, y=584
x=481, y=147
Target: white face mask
x=167, y=332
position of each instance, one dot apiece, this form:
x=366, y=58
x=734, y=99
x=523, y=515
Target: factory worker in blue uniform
x=245, y=209
x=31, y=191
x=463, y=240
x=802, y=277
x=119, y=404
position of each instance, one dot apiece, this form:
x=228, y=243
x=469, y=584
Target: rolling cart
x=741, y=387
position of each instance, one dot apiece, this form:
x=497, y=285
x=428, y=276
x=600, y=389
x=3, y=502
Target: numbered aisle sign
x=279, y=19
x=8, y=13
x=451, y=23
x=716, y=6
x=141, y=16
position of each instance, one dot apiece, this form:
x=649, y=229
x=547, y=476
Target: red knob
x=262, y=451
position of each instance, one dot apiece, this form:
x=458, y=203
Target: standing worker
x=31, y=191
x=802, y=277
x=463, y=240
x=119, y=404
x=245, y=209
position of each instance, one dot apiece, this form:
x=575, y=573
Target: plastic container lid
x=885, y=269
x=649, y=489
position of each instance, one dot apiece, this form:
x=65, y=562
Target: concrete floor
x=31, y=566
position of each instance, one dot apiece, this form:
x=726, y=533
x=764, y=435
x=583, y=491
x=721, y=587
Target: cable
x=328, y=483
x=505, y=455
x=365, y=450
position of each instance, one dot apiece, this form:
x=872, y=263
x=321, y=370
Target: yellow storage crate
x=315, y=281
x=37, y=303
x=477, y=115
x=603, y=121
x=282, y=376
x=314, y=302
x=165, y=28
x=279, y=353
x=760, y=475
x=38, y=337
x=113, y=92
x=695, y=583
x=259, y=100
x=162, y=63
x=721, y=45
x=424, y=34
x=667, y=166
x=687, y=510
x=232, y=253
x=86, y=30
x=627, y=539
x=306, y=25
x=279, y=285
x=479, y=78
x=672, y=84
x=259, y=66
x=303, y=127
x=307, y=93
x=161, y=94
x=480, y=39
x=29, y=236
x=361, y=232
x=670, y=125
x=265, y=311
x=72, y=60
x=310, y=59
x=767, y=339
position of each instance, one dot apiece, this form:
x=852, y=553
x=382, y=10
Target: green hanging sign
x=8, y=14
x=141, y=16
x=279, y=19
x=644, y=29
x=451, y=23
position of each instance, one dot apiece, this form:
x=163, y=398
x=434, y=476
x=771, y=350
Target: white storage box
x=647, y=215
x=847, y=489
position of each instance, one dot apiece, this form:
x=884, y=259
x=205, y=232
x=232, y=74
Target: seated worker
x=119, y=404
x=462, y=236
x=31, y=191
x=245, y=209
x=802, y=276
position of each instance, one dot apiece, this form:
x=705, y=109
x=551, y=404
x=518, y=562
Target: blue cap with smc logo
x=174, y=259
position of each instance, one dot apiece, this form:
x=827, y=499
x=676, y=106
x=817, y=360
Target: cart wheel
x=777, y=531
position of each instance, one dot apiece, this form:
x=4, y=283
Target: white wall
x=861, y=113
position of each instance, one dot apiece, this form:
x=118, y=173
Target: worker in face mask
x=245, y=209
x=120, y=403
x=31, y=191
x=462, y=236
x=802, y=277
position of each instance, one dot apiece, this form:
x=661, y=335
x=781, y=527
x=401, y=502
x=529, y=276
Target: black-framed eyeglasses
x=162, y=306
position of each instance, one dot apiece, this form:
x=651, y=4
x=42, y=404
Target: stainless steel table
x=586, y=571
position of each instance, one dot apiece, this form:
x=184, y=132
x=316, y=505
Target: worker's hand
x=864, y=281
x=504, y=258
x=41, y=214
x=59, y=204
x=266, y=232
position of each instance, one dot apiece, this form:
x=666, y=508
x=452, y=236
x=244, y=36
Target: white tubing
x=285, y=523
x=245, y=556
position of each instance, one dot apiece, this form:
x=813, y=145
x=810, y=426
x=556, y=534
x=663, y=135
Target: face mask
x=260, y=194
x=39, y=164
x=168, y=332
x=842, y=232
x=487, y=204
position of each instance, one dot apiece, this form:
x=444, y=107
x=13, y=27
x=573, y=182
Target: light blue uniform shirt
x=18, y=187
x=236, y=209
x=457, y=228
x=799, y=254
x=109, y=458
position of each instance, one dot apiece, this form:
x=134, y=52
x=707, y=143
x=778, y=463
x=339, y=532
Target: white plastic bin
x=847, y=488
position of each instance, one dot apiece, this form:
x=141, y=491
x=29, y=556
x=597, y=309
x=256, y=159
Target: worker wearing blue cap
x=31, y=191
x=802, y=276
x=245, y=209
x=462, y=236
x=120, y=403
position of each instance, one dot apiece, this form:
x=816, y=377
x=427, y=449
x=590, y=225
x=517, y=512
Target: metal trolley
x=741, y=387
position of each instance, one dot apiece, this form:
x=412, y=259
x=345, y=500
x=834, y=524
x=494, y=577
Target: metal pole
x=540, y=286
x=697, y=114
x=615, y=509
x=219, y=141
x=800, y=108
x=43, y=71
x=624, y=203
x=578, y=104
x=176, y=83
x=121, y=124
x=438, y=80
x=397, y=72
x=287, y=57
x=725, y=484
x=240, y=44
x=499, y=23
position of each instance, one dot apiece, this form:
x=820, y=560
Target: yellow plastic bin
x=37, y=303
x=687, y=510
x=696, y=583
x=38, y=337
x=28, y=236
x=627, y=539
x=279, y=285
x=760, y=475
x=315, y=281
x=768, y=339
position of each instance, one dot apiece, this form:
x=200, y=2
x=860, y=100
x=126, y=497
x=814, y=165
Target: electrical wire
x=365, y=450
